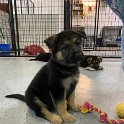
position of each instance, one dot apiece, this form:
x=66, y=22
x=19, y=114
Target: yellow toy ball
x=120, y=110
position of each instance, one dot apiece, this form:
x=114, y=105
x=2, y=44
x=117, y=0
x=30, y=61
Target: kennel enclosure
x=29, y=22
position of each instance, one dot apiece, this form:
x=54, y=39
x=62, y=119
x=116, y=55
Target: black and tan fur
x=91, y=62
x=53, y=87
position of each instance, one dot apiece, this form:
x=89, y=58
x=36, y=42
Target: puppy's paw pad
x=68, y=118
x=56, y=119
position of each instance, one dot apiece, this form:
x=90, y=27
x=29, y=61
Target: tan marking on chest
x=59, y=55
x=68, y=81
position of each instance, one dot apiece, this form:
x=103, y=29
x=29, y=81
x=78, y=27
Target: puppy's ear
x=100, y=58
x=89, y=60
x=50, y=41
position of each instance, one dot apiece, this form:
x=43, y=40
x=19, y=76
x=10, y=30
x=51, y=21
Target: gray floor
x=104, y=89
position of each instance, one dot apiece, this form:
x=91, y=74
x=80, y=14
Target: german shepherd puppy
x=53, y=87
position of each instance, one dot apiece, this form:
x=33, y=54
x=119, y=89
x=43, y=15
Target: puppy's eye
x=78, y=42
x=65, y=47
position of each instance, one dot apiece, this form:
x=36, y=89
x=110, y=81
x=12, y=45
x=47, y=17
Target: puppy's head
x=66, y=47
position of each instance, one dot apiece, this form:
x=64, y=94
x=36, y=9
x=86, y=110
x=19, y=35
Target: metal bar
x=97, y=20
x=65, y=14
x=17, y=31
x=11, y=22
x=51, y=16
x=33, y=8
x=95, y=24
x=68, y=14
x=71, y=14
x=21, y=5
x=27, y=6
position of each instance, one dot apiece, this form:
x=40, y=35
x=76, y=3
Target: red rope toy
x=87, y=107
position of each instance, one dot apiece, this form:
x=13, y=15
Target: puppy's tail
x=32, y=60
x=16, y=96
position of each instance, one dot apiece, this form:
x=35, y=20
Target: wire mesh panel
x=83, y=19
x=36, y=28
x=101, y=25
x=7, y=45
x=37, y=20
x=5, y=36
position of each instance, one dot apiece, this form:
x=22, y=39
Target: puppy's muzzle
x=78, y=56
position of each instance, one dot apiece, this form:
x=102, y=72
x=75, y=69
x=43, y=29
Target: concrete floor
x=104, y=89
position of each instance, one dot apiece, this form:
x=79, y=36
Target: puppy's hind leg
x=55, y=119
x=40, y=108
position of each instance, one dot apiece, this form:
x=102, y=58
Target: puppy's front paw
x=68, y=118
x=56, y=119
x=75, y=108
x=101, y=68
